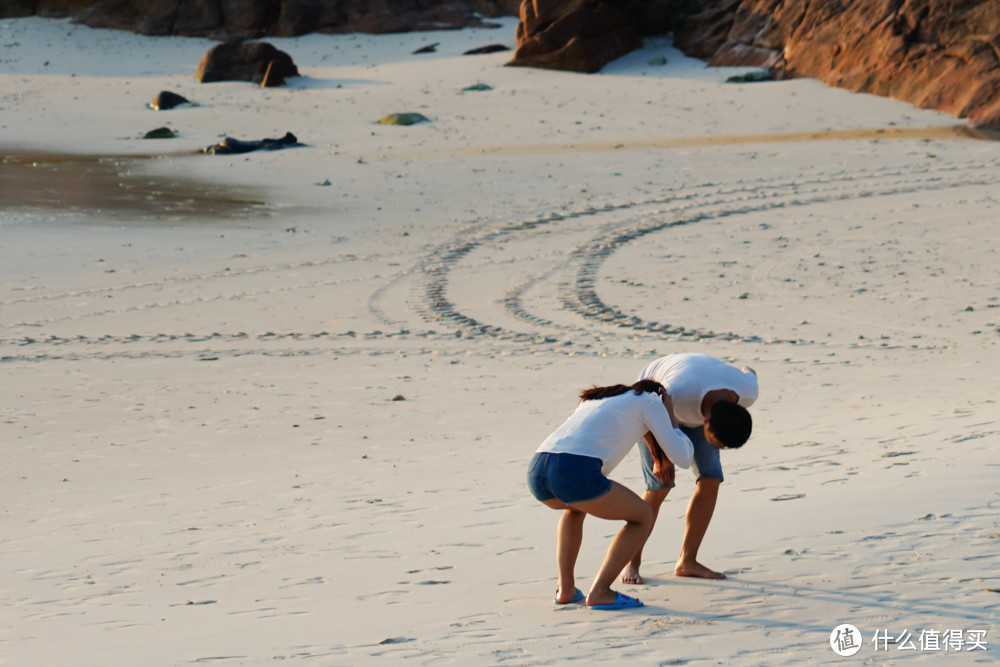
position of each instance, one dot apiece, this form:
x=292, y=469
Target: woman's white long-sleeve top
x=607, y=428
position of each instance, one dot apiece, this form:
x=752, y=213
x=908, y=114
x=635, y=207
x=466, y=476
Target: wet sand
x=117, y=187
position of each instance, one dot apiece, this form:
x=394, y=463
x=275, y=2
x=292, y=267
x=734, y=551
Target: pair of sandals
x=621, y=602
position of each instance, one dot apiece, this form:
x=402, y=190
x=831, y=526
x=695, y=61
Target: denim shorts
x=570, y=478
x=706, y=465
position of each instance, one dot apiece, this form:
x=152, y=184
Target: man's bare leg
x=630, y=575
x=699, y=515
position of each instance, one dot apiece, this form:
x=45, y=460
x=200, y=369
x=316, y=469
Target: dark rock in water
x=489, y=48
x=167, y=100
x=230, y=146
x=245, y=61
x=160, y=133
x=430, y=48
x=935, y=54
x=403, y=119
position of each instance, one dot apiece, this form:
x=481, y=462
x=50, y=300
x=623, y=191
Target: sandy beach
x=277, y=408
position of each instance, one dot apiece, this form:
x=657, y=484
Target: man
x=710, y=398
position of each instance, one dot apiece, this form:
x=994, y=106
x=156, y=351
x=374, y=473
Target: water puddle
x=114, y=187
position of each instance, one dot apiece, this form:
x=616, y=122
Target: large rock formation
x=585, y=35
x=940, y=54
x=228, y=19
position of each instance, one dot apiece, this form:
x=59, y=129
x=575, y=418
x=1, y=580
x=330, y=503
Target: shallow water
x=116, y=187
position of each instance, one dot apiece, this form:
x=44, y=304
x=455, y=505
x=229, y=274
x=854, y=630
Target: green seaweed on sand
x=403, y=119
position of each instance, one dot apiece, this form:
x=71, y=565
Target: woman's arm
x=662, y=424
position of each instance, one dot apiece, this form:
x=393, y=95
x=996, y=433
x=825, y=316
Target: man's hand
x=664, y=472
x=663, y=467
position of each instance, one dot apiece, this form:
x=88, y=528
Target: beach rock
x=489, y=48
x=572, y=35
x=750, y=77
x=160, y=133
x=167, y=100
x=931, y=53
x=245, y=61
x=252, y=19
x=585, y=35
x=230, y=146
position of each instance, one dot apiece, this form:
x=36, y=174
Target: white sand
x=203, y=460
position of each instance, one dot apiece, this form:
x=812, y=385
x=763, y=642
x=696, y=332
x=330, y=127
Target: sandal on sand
x=623, y=602
x=577, y=597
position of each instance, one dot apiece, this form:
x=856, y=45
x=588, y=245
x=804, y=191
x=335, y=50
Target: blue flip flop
x=623, y=602
x=577, y=597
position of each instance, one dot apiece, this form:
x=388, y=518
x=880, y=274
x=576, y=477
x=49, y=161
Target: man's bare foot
x=630, y=575
x=696, y=569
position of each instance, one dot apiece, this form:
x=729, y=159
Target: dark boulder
x=167, y=100
x=245, y=61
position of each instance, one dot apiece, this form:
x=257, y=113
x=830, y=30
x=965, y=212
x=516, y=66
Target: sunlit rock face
x=931, y=53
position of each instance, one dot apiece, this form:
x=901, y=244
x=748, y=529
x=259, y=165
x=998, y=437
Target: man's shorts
x=570, y=478
x=706, y=465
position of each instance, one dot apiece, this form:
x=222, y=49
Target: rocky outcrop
x=230, y=19
x=941, y=54
x=936, y=54
x=585, y=35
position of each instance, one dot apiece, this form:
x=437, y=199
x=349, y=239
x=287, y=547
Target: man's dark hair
x=730, y=423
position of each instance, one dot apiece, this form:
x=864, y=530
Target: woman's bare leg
x=618, y=504
x=568, y=540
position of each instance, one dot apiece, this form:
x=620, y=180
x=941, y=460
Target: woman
x=568, y=472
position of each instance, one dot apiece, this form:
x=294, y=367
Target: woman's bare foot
x=630, y=575
x=696, y=569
